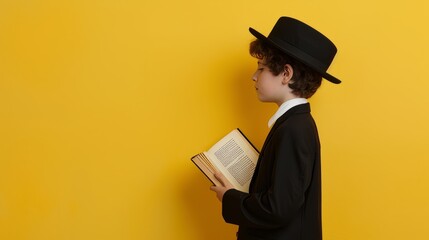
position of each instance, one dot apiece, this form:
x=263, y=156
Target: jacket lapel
x=302, y=108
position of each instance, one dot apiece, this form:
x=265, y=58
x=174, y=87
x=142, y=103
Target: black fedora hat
x=303, y=43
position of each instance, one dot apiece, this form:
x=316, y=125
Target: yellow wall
x=102, y=103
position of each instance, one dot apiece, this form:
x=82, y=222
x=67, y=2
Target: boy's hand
x=220, y=190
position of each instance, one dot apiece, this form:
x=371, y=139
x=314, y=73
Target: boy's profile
x=284, y=199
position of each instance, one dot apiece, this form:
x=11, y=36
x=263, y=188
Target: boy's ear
x=287, y=74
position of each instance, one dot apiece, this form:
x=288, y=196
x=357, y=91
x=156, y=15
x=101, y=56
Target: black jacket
x=284, y=199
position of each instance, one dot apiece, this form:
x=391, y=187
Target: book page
x=236, y=158
x=204, y=164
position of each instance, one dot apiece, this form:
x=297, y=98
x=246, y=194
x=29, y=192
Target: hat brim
x=295, y=53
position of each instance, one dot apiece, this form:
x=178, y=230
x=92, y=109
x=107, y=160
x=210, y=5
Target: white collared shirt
x=284, y=108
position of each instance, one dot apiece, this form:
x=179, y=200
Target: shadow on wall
x=205, y=211
x=203, y=208
x=251, y=116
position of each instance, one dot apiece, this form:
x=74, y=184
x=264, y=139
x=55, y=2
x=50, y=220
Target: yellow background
x=103, y=102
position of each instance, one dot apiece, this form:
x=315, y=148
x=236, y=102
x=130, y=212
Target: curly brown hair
x=305, y=81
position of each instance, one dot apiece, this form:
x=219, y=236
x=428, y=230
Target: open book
x=234, y=156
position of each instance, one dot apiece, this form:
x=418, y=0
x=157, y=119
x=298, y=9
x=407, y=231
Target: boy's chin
x=264, y=100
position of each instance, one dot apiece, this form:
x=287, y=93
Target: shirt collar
x=284, y=108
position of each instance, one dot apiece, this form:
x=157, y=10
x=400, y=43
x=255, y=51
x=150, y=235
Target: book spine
x=248, y=140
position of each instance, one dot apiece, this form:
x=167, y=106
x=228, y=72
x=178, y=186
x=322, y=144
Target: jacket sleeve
x=293, y=151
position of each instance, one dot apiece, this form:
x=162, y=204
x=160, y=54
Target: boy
x=284, y=199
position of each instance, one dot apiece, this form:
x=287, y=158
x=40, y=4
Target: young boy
x=284, y=199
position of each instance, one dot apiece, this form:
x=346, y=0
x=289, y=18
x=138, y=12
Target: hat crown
x=305, y=38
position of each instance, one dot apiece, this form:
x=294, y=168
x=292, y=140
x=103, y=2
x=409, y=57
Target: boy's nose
x=254, y=77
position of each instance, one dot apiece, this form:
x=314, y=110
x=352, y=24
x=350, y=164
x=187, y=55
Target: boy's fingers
x=220, y=177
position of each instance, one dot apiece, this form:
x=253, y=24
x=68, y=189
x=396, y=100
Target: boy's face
x=270, y=88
